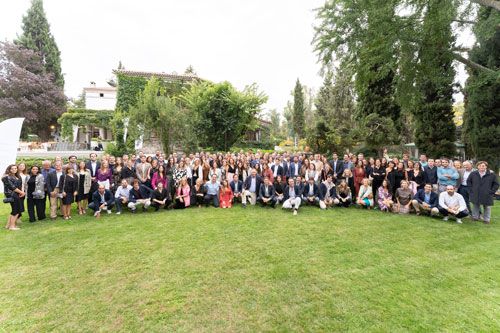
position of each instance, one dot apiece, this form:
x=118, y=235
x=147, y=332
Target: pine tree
x=333, y=128
x=37, y=37
x=481, y=131
x=434, y=127
x=298, y=110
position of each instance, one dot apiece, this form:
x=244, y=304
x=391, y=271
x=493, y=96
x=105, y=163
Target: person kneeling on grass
x=121, y=195
x=452, y=203
x=266, y=193
x=365, y=195
x=310, y=193
x=403, y=198
x=102, y=200
x=292, y=196
x=328, y=193
x=426, y=200
x=139, y=195
x=160, y=197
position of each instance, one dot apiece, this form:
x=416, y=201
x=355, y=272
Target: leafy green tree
x=276, y=130
x=298, y=110
x=333, y=126
x=361, y=38
x=223, y=113
x=434, y=127
x=36, y=36
x=481, y=131
x=288, y=123
x=156, y=113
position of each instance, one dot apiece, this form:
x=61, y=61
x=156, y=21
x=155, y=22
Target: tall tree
x=434, y=128
x=224, y=113
x=36, y=36
x=333, y=126
x=362, y=36
x=481, y=131
x=158, y=114
x=26, y=90
x=288, y=115
x=276, y=131
x=298, y=110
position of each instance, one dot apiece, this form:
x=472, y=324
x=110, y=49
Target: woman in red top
x=359, y=175
x=226, y=195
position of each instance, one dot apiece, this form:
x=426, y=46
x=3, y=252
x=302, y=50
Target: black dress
x=81, y=195
x=70, y=185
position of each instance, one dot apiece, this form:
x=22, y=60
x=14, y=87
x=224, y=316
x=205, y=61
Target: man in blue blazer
x=310, y=193
x=294, y=168
x=237, y=188
x=251, y=188
x=337, y=167
x=102, y=200
x=426, y=200
x=266, y=193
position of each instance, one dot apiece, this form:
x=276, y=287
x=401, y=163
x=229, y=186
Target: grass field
x=237, y=270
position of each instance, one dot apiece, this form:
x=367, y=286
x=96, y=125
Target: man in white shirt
x=452, y=203
x=463, y=189
x=121, y=196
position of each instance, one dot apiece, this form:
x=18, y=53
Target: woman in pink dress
x=226, y=195
x=183, y=195
x=159, y=177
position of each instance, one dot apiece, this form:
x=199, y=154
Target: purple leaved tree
x=26, y=90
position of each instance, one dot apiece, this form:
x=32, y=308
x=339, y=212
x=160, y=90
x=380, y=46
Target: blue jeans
x=214, y=198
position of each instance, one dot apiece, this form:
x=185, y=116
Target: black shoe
x=134, y=211
x=144, y=209
x=157, y=209
x=244, y=205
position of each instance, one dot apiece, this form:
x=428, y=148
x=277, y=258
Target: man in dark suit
x=139, y=195
x=337, y=167
x=278, y=169
x=310, y=193
x=430, y=174
x=93, y=165
x=292, y=196
x=53, y=178
x=266, y=193
x=237, y=188
x=426, y=200
x=251, y=188
x=102, y=200
x=294, y=168
x=328, y=193
x=300, y=184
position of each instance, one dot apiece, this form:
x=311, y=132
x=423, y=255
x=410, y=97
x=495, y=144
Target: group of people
x=427, y=186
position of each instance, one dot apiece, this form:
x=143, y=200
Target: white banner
x=75, y=133
x=10, y=130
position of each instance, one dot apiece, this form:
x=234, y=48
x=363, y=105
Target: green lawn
x=250, y=270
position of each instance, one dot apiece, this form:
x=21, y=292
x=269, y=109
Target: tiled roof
x=163, y=75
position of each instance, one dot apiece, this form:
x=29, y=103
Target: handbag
x=38, y=194
x=61, y=195
x=8, y=200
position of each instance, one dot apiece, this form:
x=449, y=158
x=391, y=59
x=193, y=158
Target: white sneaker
x=96, y=213
x=294, y=212
x=118, y=213
x=445, y=218
x=459, y=221
x=109, y=211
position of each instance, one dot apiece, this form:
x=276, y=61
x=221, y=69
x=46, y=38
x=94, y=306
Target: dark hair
x=7, y=171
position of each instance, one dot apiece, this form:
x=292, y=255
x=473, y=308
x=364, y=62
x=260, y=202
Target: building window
x=101, y=95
